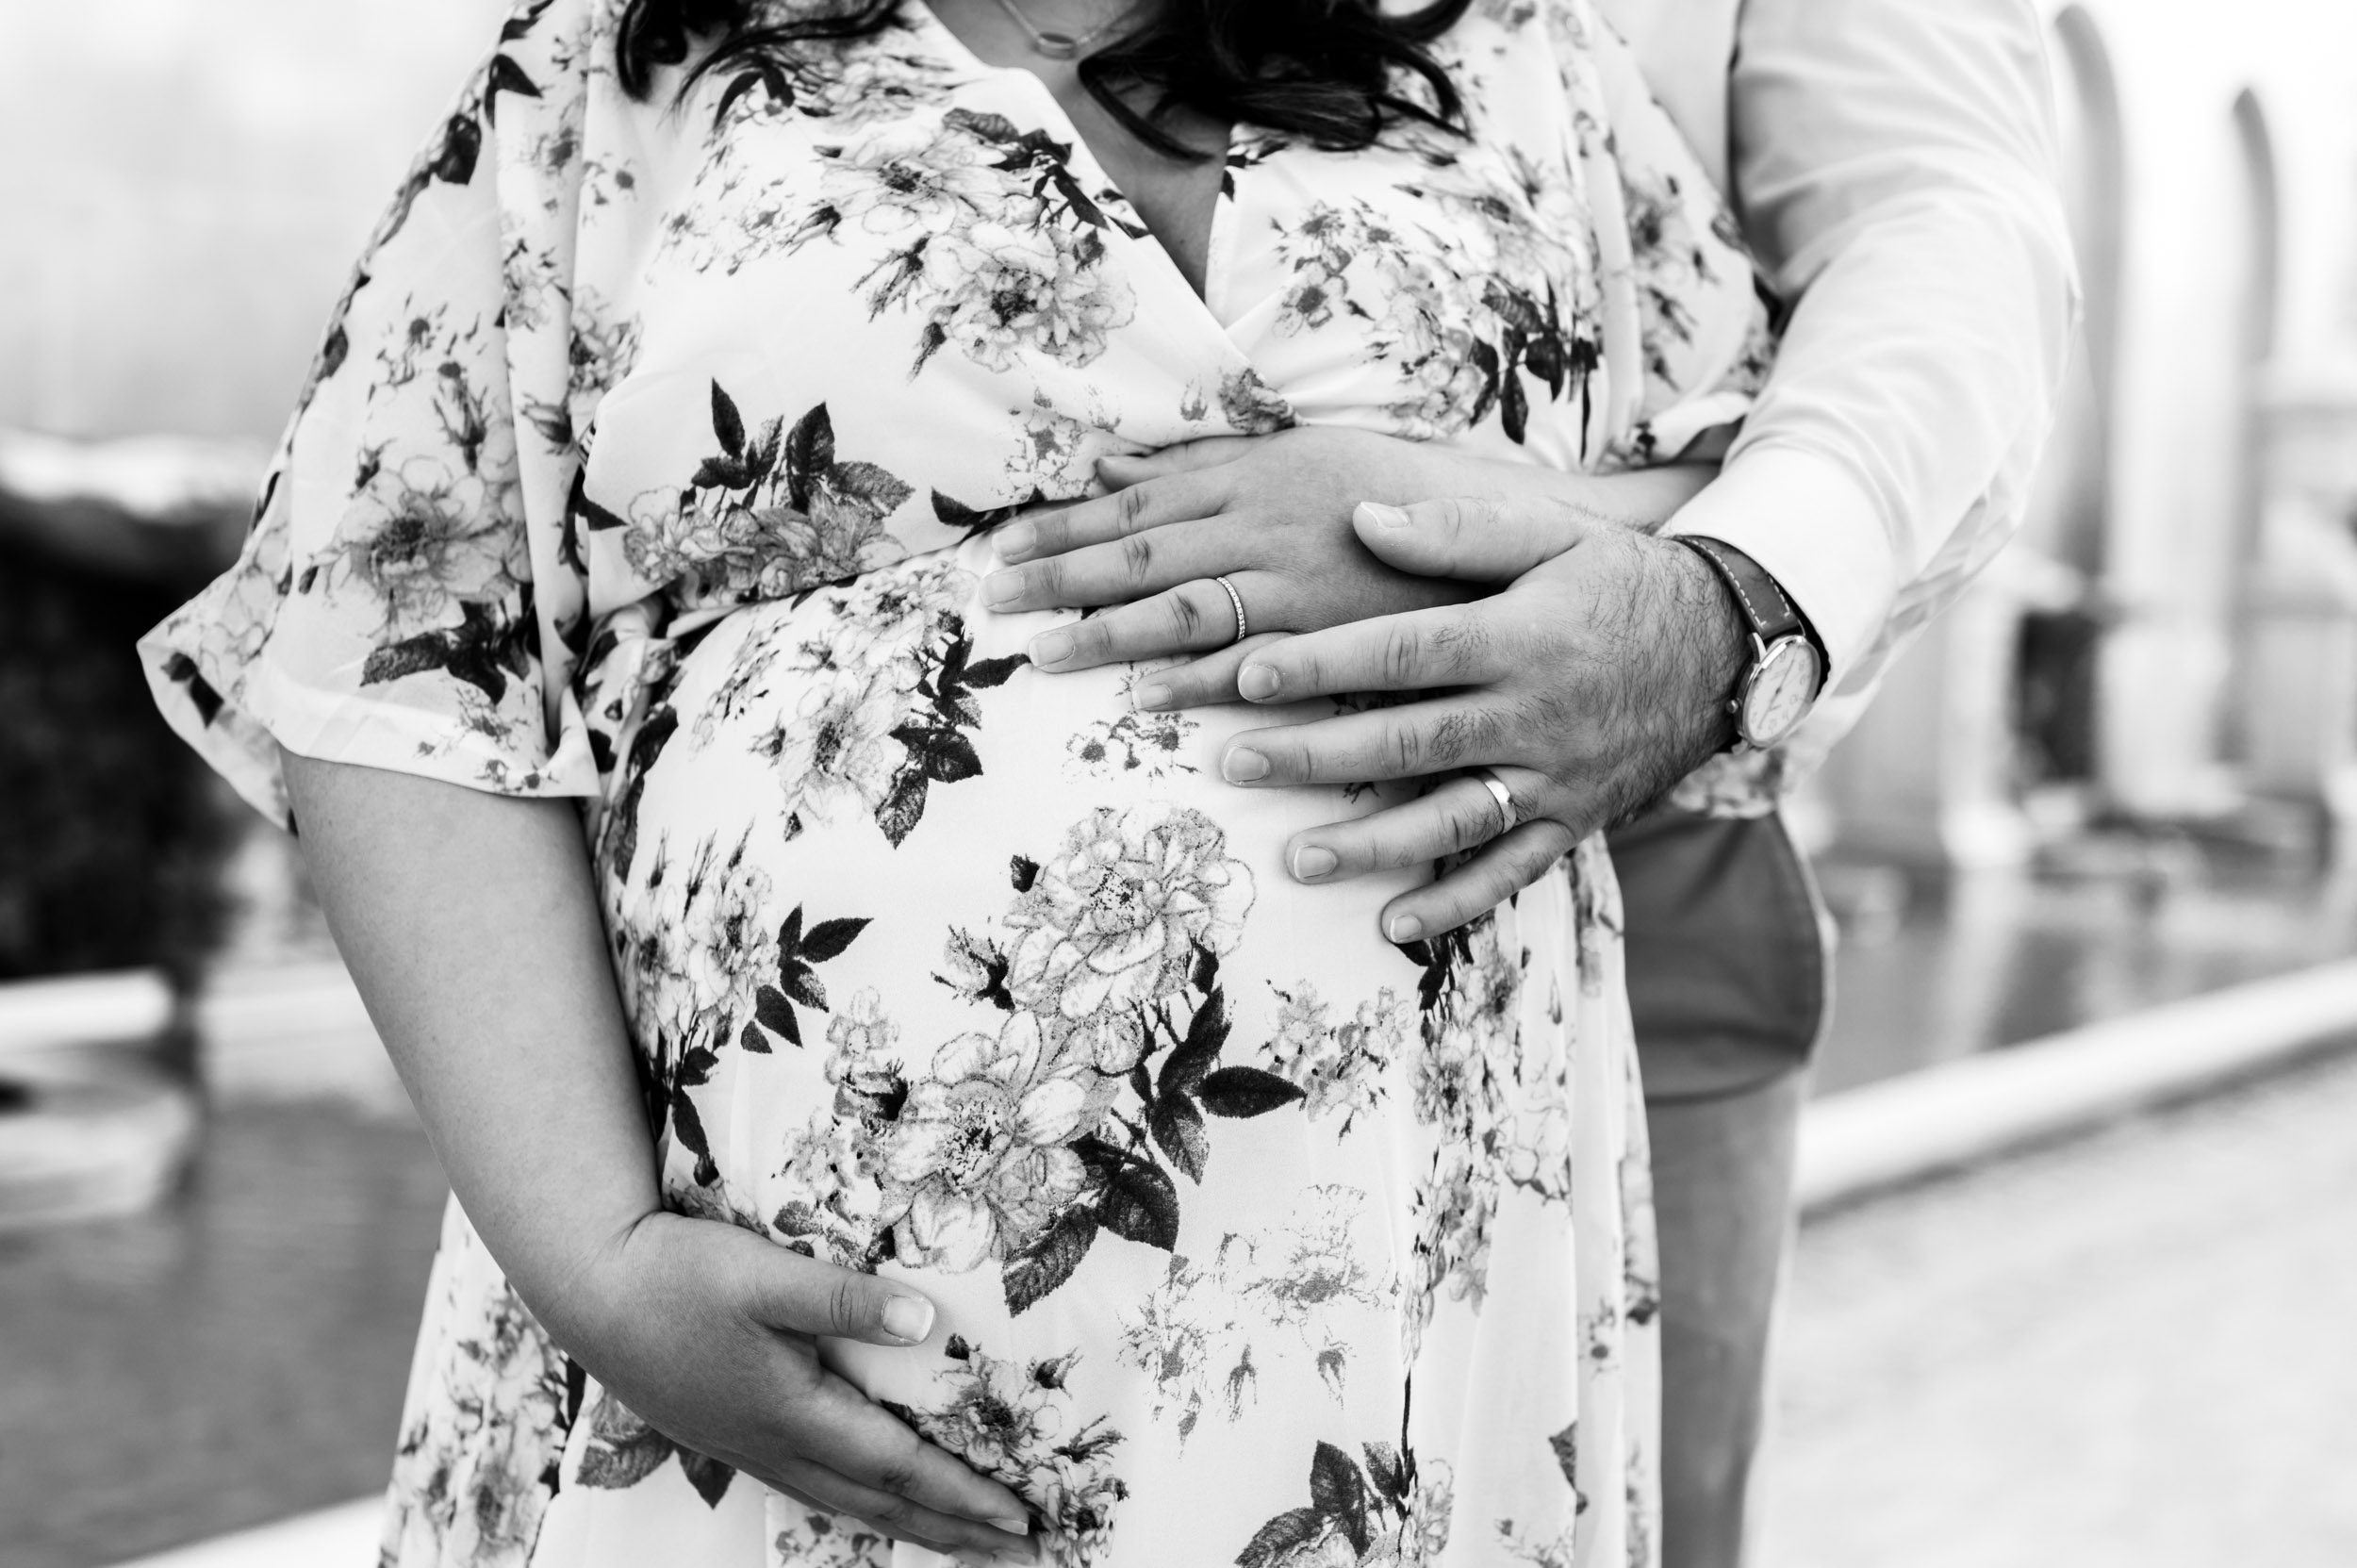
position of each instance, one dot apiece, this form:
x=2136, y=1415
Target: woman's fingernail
x=1152, y=695
x=1016, y=1525
x=908, y=1317
x=1241, y=765
x=1015, y=540
x=1258, y=682
x=1406, y=928
x=1002, y=587
x=1051, y=648
x=1382, y=516
x=1313, y=861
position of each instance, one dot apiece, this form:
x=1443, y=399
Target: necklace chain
x=1054, y=43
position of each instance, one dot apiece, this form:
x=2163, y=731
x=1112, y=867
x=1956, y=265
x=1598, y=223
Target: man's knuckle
x=1402, y=748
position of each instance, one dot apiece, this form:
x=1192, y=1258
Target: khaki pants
x=1728, y=982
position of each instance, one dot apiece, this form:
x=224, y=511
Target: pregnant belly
x=950, y=970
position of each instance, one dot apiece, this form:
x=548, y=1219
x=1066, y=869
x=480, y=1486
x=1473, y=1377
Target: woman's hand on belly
x=710, y=1334
x=1269, y=513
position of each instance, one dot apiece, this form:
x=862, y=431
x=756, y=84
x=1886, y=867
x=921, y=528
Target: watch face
x=1778, y=696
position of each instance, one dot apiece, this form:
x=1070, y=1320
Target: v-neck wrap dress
x=652, y=461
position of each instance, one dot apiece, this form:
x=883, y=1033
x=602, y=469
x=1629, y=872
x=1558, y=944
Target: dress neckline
x=1217, y=246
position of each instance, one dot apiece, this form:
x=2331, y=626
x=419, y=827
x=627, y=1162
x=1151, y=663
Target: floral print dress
x=653, y=460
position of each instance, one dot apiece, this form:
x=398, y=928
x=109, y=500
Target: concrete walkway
x=2138, y=1349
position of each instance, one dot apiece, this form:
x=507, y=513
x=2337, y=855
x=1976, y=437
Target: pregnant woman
x=926, y=1111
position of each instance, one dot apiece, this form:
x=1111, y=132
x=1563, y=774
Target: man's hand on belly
x=1591, y=683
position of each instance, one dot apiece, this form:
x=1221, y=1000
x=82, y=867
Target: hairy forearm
x=471, y=926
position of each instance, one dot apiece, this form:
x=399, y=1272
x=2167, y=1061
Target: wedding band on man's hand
x=1235, y=599
x=1503, y=796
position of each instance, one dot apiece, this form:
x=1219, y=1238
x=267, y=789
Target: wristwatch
x=1788, y=665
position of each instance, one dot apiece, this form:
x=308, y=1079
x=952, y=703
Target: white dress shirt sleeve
x=1894, y=161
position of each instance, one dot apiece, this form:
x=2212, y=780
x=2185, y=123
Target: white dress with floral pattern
x=653, y=460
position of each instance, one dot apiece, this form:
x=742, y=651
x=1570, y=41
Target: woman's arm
x=471, y=926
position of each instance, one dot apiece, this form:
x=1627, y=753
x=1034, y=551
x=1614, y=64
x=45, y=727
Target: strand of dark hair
x=1328, y=71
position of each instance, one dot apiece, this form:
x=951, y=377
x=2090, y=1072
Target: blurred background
x=2081, y=1181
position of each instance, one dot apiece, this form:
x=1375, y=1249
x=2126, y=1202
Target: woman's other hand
x=710, y=1334
x=1269, y=513
x=470, y=925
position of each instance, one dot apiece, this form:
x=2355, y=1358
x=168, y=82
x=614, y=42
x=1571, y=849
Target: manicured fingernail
x=1151, y=695
x=1002, y=587
x=1016, y=1525
x=1258, y=682
x=1406, y=928
x=1313, y=861
x=1241, y=765
x=1015, y=540
x=909, y=1318
x=1051, y=648
x=1382, y=516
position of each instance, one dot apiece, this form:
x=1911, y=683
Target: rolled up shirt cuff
x=1816, y=530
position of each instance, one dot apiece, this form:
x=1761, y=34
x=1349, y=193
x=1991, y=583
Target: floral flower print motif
x=1003, y=251
x=724, y=940
x=1016, y=1422
x=979, y=1149
x=1146, y=744
x=815, y=1540
x=1338, y=1066
x=1460, y=329
x=1185, y=1336
x=864, y=1060
x=1056, y=451
x=1117, y=920
x=1387, y=1514
x=472, y=1468
x=1191, y=1336
x=830, y=1202
x=839, y=744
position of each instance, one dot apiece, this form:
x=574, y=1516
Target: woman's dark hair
x=1323, y=70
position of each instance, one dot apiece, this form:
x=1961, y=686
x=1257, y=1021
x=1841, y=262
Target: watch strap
x=1757, y=597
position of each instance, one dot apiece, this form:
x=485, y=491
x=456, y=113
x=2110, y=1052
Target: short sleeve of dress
x=406, y=596
x=1688, y=326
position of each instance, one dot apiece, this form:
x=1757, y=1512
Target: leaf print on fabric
x=772, y=511
x=1382, y=1514
x=796, y=982
x=622, y=1450
x=1020, y=1425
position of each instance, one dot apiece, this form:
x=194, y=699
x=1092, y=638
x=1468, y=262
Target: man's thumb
x=807, y=1296
x=1475, y=538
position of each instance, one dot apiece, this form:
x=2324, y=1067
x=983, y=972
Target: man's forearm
x=1894, y=160
x=470, y=924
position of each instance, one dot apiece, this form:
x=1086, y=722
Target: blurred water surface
x=230, y=1359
